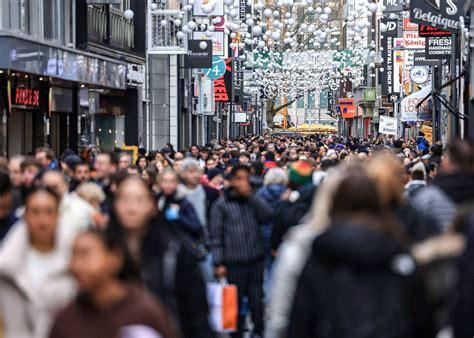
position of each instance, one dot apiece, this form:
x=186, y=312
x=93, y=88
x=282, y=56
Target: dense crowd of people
x=323, y=236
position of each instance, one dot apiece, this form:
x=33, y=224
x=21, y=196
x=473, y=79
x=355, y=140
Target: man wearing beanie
x=298, y=201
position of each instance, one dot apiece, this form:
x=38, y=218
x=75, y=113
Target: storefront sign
x=425, y=31
x=27, y=97
x=408, y=105
x=419, y=74
x=442, y=14
x=219, y=41
x=217, y=70
x=388, y=125
x=409, y=26
x=439, y=47
x=411, y=40
x=348, y=108
x=197, y=57
x=135, y=74
x=370, y=94
x=208, y=8
x=393, y=5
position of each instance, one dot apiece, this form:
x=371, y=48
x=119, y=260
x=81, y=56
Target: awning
x=27, y=56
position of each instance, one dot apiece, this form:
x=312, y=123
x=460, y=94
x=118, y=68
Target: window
x=300, y=102
x=311, y=101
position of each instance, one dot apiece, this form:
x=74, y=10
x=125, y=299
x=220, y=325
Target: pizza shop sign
x=27, y=97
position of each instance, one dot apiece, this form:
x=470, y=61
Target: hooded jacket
x=358, y=283
x=28, y=312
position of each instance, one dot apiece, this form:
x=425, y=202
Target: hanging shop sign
x=26, y=97
x=421, y=60
x=442, y=14
x=408, y=25
x=439, y=47
x=217, y=70
x=419, y=74
x=393, y=5
x=411, y=40
x=223, y=85
x=370, y=94
x=218, y=39
x=408, y=105
x=206, y=96
x=388, y=125
x=348, y=108
x=386, y=76
x=426, y=31
x=208, y=8
x=197, y=57
x=135, y=74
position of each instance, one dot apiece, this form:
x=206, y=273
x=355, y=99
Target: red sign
x=409, y=26
x=223, y=85
x=348, y=108
x=424, y=30
x=27, y=97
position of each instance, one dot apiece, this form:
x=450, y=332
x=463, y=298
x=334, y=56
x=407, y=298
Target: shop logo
x=27, y=97
x=419, y=74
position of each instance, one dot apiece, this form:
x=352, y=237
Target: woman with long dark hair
x=168, y=268
x=109, y=303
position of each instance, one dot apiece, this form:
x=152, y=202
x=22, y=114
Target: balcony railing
x=121, y=33
x=163, y=39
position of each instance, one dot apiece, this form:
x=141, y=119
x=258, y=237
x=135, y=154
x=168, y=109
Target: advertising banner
x=223, y=85
x=408, y=105
x=386, y=77
x=388, y=125
x=219, y=43
x=208, y=8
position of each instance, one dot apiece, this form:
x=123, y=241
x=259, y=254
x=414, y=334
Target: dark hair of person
x=40, y=189
x=113, y=158
x=417, y=175
x=48, y=151
x=437, y=150
x=257, y=168
x=152, y=172
x=118, y=177
x=269, y=156
x=460, y=154
x=239, y=167
x=80, y=164
x=29, y=162
x=137, y=162
x=5, y=183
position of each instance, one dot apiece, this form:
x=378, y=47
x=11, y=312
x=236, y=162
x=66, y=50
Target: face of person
x=244, y=159
x=204, y=155
x=168, y=184
x=194, y=150
x=41, y=217
x=217, y=180
x=177, y=165
x=210, y=164
x=133, y=171
x=142, y=163
x=82, y=173
x=192, y=176
x=133, y=204
x=29, y=175
x=103, y=166
x=92, y=265
x=124, y=162
x=240, y=182
x=43, y=159
x=178, y=156
x=159, y=157
x=55, y=181
x=146, y=177
x=14, y=169
x=6, y=205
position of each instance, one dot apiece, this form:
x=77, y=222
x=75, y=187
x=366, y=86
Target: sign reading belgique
x=442, y=14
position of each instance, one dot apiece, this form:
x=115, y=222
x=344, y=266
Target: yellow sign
x=132, y=150
x=428, y=131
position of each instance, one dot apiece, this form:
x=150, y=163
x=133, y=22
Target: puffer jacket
x=359, y=283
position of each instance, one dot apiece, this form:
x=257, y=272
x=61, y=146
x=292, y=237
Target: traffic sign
x=217, y=70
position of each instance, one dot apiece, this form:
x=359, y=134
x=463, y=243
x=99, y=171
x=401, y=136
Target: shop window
x=300, y=102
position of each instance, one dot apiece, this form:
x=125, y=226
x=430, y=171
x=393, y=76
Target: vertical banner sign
x=442, y=14
x=223, y=85
x=387, y=44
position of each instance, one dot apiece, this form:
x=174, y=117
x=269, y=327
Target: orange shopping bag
x=223, y=307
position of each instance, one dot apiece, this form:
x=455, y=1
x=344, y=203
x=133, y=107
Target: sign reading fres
x=442, y=14
x=439, y=47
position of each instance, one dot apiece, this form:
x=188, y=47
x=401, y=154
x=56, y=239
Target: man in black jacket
x=236, y=243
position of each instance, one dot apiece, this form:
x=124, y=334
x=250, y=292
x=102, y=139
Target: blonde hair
x=91, y=193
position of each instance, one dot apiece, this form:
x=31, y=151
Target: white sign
x=411, y=40
x=219, y=44
x=206, y=96
x=135, y=73
x=419, y=74
x=240, y=117
x=408, y=106
x=388, y=125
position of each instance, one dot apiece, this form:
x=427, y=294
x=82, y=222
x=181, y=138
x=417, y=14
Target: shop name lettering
x=220, y=90
x=27, y=97
x=438, y=20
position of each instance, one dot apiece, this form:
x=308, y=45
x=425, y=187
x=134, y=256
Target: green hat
x=301, y=172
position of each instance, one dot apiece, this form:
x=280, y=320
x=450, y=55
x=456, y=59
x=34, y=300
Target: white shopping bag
x=223, y=307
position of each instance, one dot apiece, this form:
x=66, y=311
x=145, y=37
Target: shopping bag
x=223, y=307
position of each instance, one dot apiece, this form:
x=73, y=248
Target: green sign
x=370, y=94
x=264, y=59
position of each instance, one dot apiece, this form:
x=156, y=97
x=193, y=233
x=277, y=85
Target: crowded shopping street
x=236, y=169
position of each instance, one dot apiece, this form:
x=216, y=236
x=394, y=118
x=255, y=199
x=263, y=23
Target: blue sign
x=217, y=70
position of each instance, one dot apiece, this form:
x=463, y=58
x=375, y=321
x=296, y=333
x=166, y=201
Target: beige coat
x=24, y=312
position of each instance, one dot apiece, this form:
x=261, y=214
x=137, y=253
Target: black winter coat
x=172, y=273
x=358, y=283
